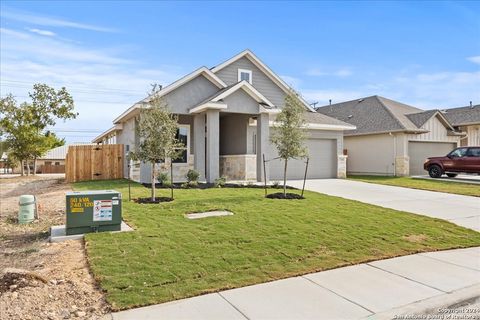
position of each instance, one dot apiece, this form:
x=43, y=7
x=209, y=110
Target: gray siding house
x=226, y=114
x=392, y=138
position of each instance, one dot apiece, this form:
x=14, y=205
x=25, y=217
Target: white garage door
x=322, y=163
x=419, y=151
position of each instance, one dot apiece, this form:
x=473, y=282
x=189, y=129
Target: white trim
x=99, y=138
x=201, y=71
x=264, y=68
x=312, y=126
x=208, y=105
x=249, y=89
x=249, y=72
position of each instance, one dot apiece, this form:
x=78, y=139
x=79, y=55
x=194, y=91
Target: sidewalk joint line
x=399, y=275
x=233, y=306
x=337, y=294
x=448, y=262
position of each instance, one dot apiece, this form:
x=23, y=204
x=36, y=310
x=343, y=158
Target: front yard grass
x=423, y=184
x=169, y=257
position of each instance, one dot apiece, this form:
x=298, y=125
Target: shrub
x=162, y=178
x=192, y=176
x=275, y=184
x=167, y=183
x=220, y=182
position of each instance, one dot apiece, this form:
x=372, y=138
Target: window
x=473, y=152
x=458, y=153
x=245, y=75
x=57, y=163
x=183, y=134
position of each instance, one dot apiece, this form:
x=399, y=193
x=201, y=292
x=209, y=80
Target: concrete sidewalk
x=382, y=289
x=458, y=209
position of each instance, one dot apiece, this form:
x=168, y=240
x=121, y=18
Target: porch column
x=213, y=145
x=199, y=144
x=263, y=136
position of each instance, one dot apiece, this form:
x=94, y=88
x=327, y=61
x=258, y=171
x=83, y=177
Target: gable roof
x=264, y=68
x=463, y=115
x=374, y=114
x=420, y=118
x=207, y=73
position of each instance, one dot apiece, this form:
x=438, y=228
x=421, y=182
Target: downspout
x=394, y=153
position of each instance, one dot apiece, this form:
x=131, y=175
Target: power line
x=78, y=86
x=106, y=92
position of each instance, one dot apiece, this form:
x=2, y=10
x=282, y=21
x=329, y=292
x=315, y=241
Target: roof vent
x=471, y=105
x=350, y=116
x=360, y=100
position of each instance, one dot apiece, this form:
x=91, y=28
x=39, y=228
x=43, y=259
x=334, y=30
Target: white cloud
x=319, y=72
x=474, y=59
x=50, y=21
x=42, y=32
x=102, y=82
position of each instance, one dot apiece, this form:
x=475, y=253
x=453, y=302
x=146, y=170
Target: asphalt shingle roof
x=372, y=114
x=315, y=117
x=463, y=115
x=420, y=118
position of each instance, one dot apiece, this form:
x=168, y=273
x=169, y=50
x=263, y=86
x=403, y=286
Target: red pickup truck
x=460, y=160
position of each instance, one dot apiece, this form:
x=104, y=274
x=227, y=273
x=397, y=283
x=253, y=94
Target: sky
x=107, y=54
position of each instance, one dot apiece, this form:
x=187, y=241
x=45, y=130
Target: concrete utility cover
x=199, y=215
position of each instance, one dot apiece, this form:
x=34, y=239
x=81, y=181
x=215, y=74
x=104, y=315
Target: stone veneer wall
x=239, y=167
x=179, y=169
x=402, y=166
x=342, y=166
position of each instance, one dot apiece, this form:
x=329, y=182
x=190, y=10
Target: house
x=467, y=120
x=226, y=114
x=53, y=161
x=392, y=138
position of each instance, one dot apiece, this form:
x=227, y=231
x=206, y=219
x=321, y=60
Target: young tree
x=157, y=129
x=288, y=135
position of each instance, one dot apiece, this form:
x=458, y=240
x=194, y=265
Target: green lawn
x=169, y=257
x=423, y=184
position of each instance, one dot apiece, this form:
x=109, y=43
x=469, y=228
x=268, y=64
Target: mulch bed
x=150, y=201
x=288, y=196
x=211, y=185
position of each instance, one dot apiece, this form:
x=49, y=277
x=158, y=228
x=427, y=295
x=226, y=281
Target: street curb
x=431, y=305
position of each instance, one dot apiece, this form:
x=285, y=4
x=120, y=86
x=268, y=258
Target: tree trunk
x=28, y=168
x=22, y=164
x=285, y=179
x=153, y=181
x=35, y=166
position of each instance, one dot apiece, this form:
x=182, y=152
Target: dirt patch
x=416, y=238
x=41, y=280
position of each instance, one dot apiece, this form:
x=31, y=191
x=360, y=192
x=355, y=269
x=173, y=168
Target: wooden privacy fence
x=49, y=168
x=94, y=162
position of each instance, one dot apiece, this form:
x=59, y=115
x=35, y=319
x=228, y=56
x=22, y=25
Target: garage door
x=322, y=164
x=419, y=151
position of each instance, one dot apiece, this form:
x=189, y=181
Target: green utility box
x=93, y=211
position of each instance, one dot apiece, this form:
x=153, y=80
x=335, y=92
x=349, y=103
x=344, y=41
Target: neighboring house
x=53, y=161
x=467, y=120
x=391, y=138
x=226, y=114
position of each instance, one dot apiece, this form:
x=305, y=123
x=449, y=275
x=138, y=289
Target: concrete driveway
x=461, y=210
